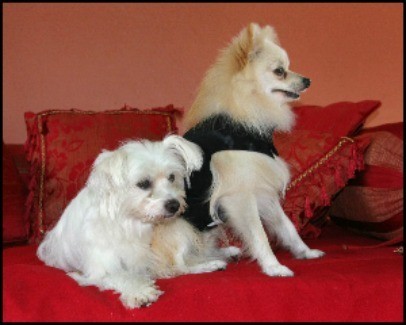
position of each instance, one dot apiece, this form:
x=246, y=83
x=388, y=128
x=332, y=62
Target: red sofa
x=359, y=279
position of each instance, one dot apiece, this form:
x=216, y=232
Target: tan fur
x=168, y=240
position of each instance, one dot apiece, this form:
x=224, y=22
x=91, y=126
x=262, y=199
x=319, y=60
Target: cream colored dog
x=242, y=100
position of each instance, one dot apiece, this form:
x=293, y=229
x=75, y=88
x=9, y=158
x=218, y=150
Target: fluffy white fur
x=251, y=82
x=121, y=231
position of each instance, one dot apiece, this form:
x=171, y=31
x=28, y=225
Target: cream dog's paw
x=310, y=253
x=277, y=270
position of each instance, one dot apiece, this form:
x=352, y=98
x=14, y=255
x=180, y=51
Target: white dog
x=242, y=100
x=121, y=231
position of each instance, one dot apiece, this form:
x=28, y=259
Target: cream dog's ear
x=271, y=34
x=250, y=42
x=190, y=153
x=107, y=170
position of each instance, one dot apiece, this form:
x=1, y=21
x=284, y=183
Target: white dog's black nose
x=172, y=206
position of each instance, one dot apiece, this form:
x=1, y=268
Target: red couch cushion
x=341, y=119
x=320, y=166
x=62, y=145
x=322, y=158
x=15, y=223
x=372, y=204
x=345, y=285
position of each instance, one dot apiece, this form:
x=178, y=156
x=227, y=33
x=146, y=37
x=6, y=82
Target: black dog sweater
x=217, y=133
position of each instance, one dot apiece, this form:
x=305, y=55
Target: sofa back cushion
x=15, y=223
x=62, y=145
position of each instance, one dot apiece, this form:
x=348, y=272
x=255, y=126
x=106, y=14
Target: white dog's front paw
x=214, y=266
x=145, y=297
x=208, y=267
x=310, y=253
x=277, y=270
x=231, y=252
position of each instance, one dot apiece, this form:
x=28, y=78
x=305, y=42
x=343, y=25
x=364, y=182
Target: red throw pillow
x=62, y=145
x=340, y=119
x=15, y=225
x=320, y=166
x=372, y=204
x=318, y=130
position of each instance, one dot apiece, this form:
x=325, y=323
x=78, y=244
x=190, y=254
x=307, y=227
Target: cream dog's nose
x=306, y=82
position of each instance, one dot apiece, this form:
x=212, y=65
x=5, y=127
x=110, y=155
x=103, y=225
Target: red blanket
x=357, y=284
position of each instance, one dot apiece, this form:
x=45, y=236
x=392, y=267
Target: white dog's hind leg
x=242, y=214
x=210, y=238
x=197, y=267
x=279, y=224
x=83, y=280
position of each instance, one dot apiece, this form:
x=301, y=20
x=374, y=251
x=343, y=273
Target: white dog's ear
x=190, y=153
x=107, y=170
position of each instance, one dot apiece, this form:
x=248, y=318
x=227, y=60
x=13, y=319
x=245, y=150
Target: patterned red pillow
x=340, y=119
x=15, y=225
x=372, y=204
x=320, y=166
x=62, y=145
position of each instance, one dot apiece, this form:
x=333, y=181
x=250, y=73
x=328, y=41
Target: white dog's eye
x=171, y=178
x=280, y=72
x=144, y=184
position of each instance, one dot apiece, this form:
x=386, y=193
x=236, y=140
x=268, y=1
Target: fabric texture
x=62, y=145
x=320, y=165
x=15, y=223
x=345, y=285
x=317, y=131
x=372, y=203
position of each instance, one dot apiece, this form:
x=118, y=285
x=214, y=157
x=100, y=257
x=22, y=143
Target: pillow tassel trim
x=342, y=167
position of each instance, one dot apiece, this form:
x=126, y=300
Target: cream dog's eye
x=280, y=72
x=171, y=178
x=144, y=184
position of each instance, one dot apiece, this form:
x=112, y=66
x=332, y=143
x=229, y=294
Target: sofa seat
x=360, y=279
